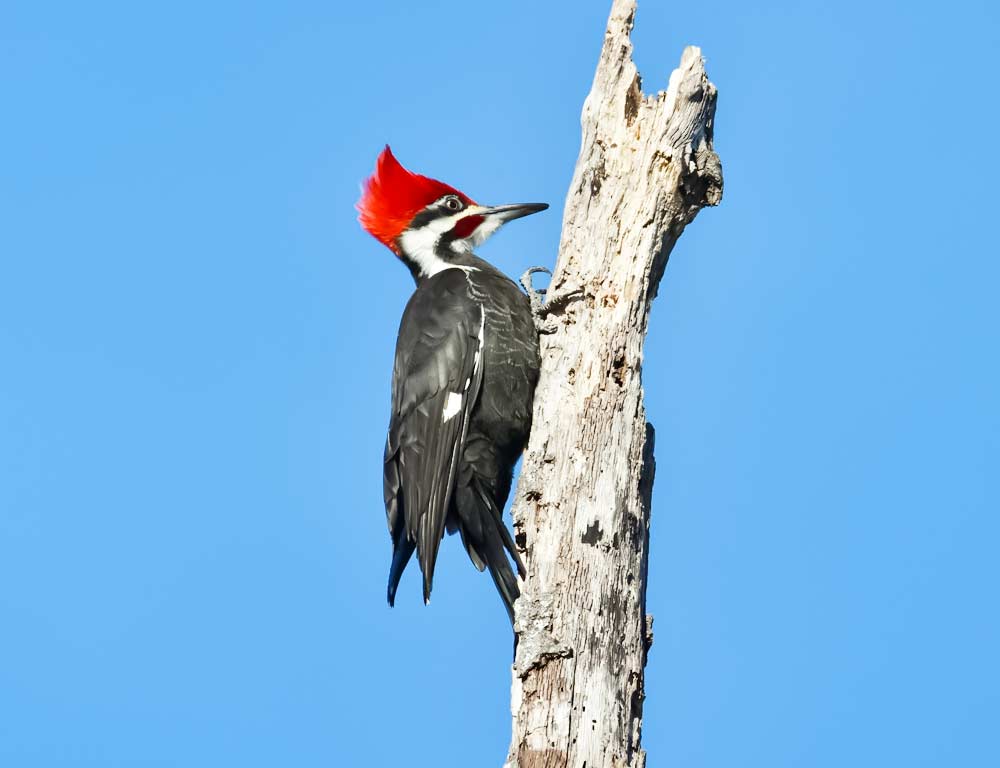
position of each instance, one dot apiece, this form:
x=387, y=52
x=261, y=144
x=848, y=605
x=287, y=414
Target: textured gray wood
x=581, y=512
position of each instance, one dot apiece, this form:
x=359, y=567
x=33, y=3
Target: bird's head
x=425, y=222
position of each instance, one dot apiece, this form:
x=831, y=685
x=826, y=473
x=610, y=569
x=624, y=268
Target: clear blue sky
x=196, y=343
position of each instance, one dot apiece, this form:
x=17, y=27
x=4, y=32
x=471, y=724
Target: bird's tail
x=402, y=551
x=487, y=540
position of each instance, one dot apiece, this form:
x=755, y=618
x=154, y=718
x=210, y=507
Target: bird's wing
x=435, y=385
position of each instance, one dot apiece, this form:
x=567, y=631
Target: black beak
x=510, y=212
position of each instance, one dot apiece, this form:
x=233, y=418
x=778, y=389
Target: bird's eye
x=452, y=203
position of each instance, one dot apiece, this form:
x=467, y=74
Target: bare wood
x=581, y=513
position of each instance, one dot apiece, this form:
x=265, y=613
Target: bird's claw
x=539, y=308
x=534, y=293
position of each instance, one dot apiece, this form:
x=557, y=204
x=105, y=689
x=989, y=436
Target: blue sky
x=196, y=344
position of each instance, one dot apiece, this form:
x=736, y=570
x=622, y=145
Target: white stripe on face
x=421, y=244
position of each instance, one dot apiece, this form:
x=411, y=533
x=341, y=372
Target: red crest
x=392, y=196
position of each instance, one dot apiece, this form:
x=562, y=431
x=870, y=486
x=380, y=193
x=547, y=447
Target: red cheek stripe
x=465, y=227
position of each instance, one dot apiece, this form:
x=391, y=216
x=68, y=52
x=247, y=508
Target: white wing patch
x=452, y=406
x=482, y=340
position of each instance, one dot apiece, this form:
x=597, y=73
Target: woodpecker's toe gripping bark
x=540, y=310
x=535, y=296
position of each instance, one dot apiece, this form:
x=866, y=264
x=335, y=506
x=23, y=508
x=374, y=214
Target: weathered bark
x=581, y=513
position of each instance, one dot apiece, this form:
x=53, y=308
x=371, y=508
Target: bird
x=463, y=380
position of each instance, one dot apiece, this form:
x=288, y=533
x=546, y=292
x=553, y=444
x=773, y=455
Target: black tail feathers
x=487, y=541
x=402, y=551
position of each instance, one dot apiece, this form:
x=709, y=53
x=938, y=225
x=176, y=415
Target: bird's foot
x=536, y=298
x=540, y=309
x=535, y=295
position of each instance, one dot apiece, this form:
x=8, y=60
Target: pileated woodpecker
x=464, y=376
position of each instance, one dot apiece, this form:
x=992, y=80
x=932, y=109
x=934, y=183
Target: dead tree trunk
x=581, y=513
